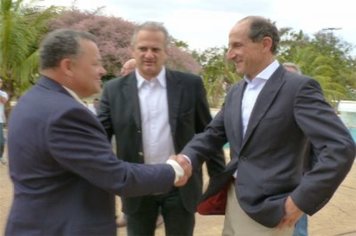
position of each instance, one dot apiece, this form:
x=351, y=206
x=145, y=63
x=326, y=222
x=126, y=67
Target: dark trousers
x=177, y=220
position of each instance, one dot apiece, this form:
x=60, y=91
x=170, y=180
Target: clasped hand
x=185, y=164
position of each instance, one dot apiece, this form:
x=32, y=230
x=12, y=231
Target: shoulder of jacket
x=117, y=81
x=181, y=74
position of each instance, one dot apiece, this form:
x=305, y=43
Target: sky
x=206, y=23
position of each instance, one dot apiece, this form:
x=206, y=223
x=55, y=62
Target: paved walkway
x=336, y=219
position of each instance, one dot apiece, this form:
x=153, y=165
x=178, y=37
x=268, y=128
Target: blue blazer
x=270, y=158
x=63, y=169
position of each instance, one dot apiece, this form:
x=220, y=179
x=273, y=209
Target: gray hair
x=293, y=66
x=261, y=27
x=60, y=44
x=151, y=26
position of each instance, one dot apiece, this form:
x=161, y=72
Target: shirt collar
x=161, y=78
x=267, y=72
x=74, y=95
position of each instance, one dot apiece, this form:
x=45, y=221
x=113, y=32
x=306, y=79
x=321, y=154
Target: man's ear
x=66, y=66
x=267, y=44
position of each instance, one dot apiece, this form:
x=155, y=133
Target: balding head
x=128, y=67
x=289, y=66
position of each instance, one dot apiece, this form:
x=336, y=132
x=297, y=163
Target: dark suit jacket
x=188, y=114
x=64, y=172
x=270, y=158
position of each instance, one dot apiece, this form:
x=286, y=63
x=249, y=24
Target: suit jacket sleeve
x=216, y=163
x=207, y=145
x=77, y=141
x=332, y=144
x=104, y=112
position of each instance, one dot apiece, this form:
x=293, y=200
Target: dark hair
x=150, y=26
x=261, y=27
x=60, y=44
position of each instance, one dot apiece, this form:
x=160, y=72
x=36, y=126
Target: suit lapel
x=236, y=103
x=264, y=101
x=131, y=98
x=174, y=90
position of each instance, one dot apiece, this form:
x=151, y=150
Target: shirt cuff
x=178, y=170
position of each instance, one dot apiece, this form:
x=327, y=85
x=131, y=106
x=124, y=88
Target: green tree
x=324, y=57
x=21, y=28
x=217, y=73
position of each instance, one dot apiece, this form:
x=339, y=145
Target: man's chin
x=95, y=90
x=149, y=69
x=152, y=72
x=98, y=89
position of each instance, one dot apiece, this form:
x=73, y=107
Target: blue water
x=353, y=133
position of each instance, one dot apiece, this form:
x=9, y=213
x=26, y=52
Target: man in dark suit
x=268, y=118
x=153, y=112
x=62, y=166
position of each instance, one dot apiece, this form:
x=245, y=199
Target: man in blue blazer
x=268, y=118
x=62, y=166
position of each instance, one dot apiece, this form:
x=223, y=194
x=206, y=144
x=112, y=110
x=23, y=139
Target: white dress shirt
x=156, y=131
x=252, y=91
x=4, y=95
x=75, y=96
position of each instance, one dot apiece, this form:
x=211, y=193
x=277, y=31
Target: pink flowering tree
x=114, y=37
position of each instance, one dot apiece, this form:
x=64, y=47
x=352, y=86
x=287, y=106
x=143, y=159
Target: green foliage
x=325, y=58
x=217, y=73
x=21, y=28
x=180, y=43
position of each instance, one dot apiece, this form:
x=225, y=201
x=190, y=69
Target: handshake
x=182, y=168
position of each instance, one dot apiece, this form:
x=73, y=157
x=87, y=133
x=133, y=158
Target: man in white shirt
x=268, y=118
x=153, y=112
x=3, y=99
